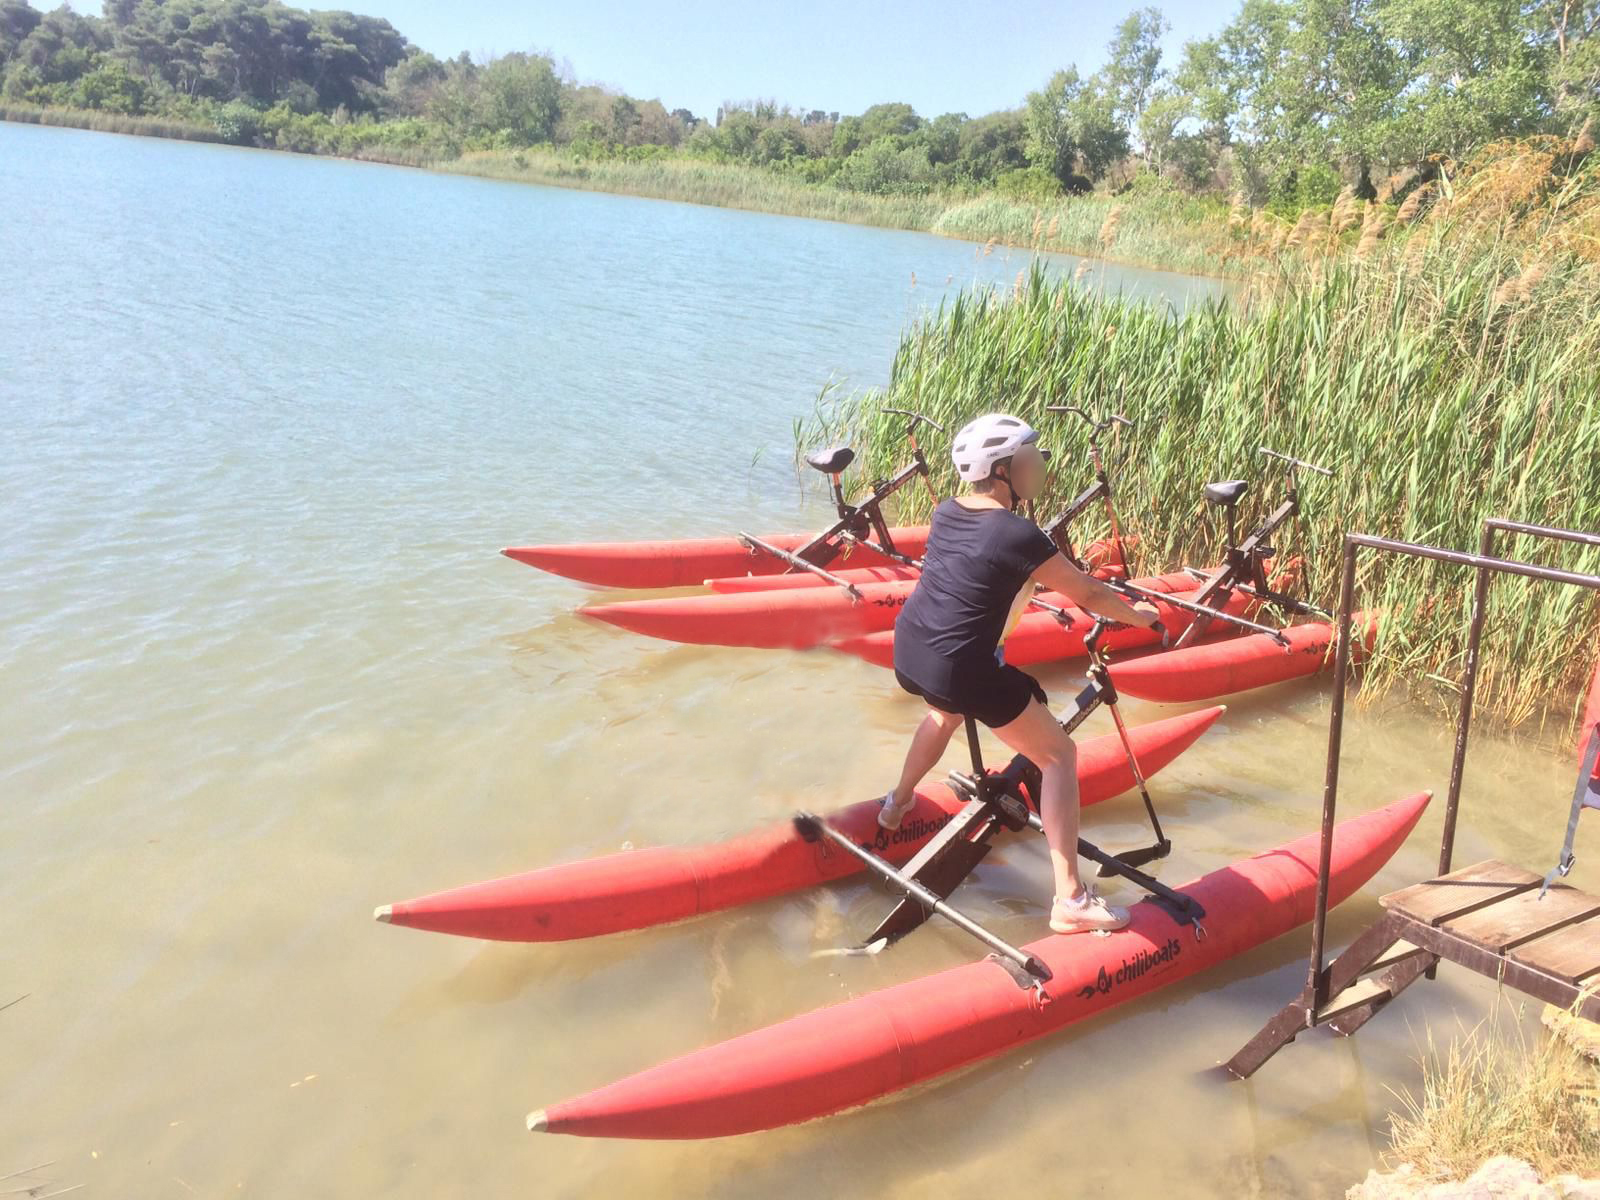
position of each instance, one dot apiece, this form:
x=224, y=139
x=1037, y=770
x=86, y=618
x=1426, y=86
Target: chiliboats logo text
x=1131, y=969
x=916, y=830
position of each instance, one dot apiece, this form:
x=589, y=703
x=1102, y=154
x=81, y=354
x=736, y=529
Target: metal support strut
x=812, y=828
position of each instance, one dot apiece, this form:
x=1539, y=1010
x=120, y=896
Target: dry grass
x=1493, y=1093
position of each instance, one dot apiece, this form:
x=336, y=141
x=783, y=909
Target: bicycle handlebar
x=1091, y=640
x=915, y=417
x=1295, y=462
x=1096, y=426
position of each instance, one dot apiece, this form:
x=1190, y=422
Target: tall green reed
x=1439, y=385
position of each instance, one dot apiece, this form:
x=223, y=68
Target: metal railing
x=1486, y=566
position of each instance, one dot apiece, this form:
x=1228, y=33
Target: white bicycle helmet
x=983, y=442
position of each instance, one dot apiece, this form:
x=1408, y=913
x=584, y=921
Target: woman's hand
x=1149, y=614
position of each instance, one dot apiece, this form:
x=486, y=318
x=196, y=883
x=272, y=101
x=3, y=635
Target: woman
x=981, y=563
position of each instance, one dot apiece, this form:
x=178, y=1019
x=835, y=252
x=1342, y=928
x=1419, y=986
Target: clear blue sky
x=971, y=56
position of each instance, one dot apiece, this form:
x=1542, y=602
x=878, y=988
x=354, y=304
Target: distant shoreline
x=1147, y=234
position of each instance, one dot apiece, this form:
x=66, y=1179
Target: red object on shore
x=1591, y=718
x=642, y=888
x=852, y=1053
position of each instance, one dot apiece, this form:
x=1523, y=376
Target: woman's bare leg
x=927, y=747
x=1038, y=735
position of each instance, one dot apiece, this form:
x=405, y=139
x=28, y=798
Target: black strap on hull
x=1586, y=795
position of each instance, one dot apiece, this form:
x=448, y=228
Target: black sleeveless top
x=975, y=563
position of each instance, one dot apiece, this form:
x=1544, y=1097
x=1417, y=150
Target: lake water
x=267, y=421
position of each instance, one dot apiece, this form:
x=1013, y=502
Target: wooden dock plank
x=1571, y=953
x=1524, y=917
x=1363, y=991
x=1460, y=892
x=1396, y=953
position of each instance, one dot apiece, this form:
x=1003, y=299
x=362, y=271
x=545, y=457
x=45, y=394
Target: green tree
x=658, y=127
x=409, y=84
x=1165, y=110
x=1291, y=101
x=1072, y=124
x=61, y=46
x=1231, y=79
x=993, y=144
x=17, y=20
x=454, y=100
x=624, y=119
x=778, y=144
x=885, y=166
x=1029, y=185
x=1474, y=73
x=238, y=123
x=1346, y=61
x=737, y=132
x=941, y=137
x=846, y=137
x=1133, y=64
x=1569, y=31
x=888, y=120
x=520, y=96
x=110, y=88
x=1050, y=145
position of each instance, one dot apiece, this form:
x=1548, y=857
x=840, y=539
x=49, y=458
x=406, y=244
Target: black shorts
x=996, y=696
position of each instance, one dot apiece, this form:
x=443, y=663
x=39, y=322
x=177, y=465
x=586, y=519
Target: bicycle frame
x=1099, y=490
x=1245, y=562
x=862, y=522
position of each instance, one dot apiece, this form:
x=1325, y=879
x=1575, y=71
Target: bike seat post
x=1225, y=494
x=979, y=776
x=832, y=462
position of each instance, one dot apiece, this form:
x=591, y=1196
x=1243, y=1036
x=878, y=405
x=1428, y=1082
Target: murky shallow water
x=267, y=420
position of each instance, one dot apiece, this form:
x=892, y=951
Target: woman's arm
x=1059, y=575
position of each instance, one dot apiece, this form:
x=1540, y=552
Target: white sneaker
x=893, y=811
x=1087, y=913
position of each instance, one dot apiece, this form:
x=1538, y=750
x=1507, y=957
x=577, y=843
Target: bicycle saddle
x=1226, y=494
x=832, y=460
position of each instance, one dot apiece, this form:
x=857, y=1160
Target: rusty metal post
x=1469, y=688
x=1330, y=780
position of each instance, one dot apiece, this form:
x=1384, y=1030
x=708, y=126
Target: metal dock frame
x=1479, y=917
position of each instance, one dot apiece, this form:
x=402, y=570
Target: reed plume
x=1415, y=203
x=1108, y=230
